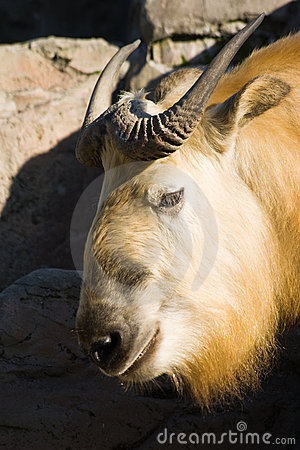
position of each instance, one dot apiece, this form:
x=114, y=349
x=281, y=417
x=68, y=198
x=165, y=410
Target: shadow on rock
x=35, y=222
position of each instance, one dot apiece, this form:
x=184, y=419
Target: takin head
x=179, y=261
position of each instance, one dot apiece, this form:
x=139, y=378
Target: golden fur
x=267, y=151
x=266, y=157
x=244, y=157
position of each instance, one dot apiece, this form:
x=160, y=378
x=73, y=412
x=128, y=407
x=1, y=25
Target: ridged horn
x=142, y=136
x=99, y=102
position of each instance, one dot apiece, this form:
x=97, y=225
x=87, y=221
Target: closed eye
x=170, y=199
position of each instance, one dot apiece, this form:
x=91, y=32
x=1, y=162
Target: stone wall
x=155, y=20
x=181, y=32
x=44, y=88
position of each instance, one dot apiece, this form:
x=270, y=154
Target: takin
x=190, y=264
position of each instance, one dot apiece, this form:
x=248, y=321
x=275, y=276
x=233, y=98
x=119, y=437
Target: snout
x=120, y=350
x=116, y=357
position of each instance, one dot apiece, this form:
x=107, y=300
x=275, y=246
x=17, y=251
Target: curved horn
x=152, y=137
x=101, y=100
x=144, y=137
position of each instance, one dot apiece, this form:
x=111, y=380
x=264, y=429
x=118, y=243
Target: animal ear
x=222, y=122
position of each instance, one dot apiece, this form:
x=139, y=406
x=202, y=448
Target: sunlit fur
x=216, y=340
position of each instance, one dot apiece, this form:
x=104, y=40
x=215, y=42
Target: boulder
x=177, y=53
x=51, y=393
x=147, y=76
x=88, y=56
x=53, y=396
x=159, y=19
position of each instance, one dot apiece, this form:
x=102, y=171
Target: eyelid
x=170, y=199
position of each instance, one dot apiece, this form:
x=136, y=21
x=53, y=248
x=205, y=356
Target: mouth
x=142, y=356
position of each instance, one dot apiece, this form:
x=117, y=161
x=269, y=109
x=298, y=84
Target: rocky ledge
x=53, y=396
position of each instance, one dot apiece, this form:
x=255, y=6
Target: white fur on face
x=201, y=268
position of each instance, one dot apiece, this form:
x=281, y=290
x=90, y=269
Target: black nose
x=106, y=349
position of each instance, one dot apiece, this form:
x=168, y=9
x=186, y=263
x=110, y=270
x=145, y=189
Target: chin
x=146, y=366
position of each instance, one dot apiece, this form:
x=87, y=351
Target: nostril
x=100, y=348
x=104, y=349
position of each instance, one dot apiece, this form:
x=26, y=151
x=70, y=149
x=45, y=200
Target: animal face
x=156, y=258
x=138, y=258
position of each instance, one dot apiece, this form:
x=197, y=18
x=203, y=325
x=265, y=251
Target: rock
x=52, y=395
x=22, y=20
x=45, y=86
x=143, y=72
x=192, y=32
x=50, y=391
x=22, y=69
x=7, y=105
x=84, y=55
x=159, y=19
x=147, y=76
x=176, y=53
x=231, y=28
x=225, y=11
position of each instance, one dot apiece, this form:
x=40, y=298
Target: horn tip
x=261, y=16
x=258, y=20
x=135, y=44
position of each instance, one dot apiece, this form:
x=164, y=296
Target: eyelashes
x=171, y=199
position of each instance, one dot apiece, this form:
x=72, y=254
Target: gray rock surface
x=158, y=19
x=193, y=31
x=52, y=396
x=176, y=53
